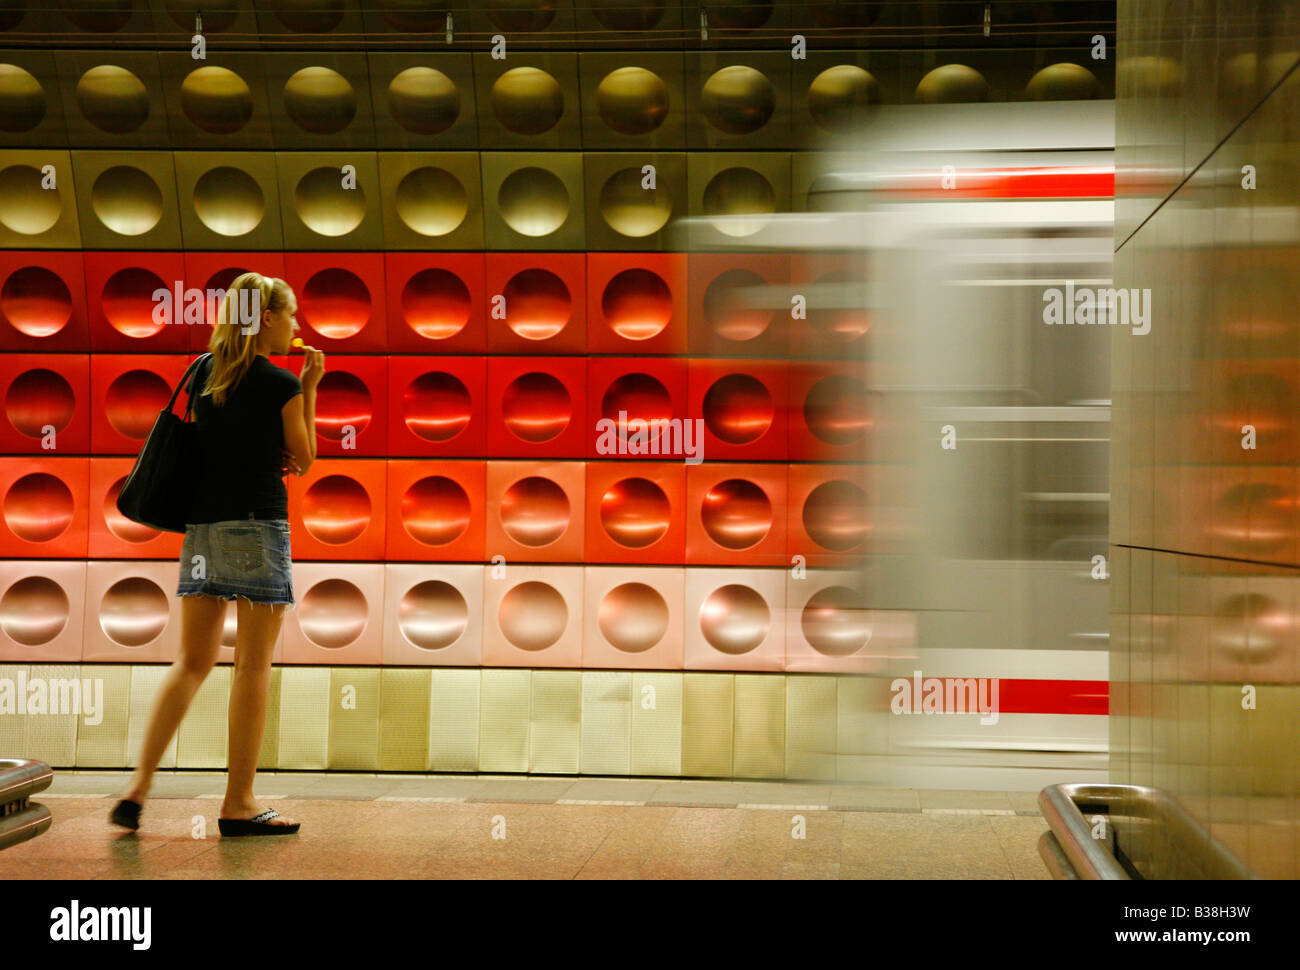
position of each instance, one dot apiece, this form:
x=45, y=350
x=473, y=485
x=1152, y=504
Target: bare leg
x=259, y=626
x=202, y=618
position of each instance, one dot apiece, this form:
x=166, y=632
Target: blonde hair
x=234, y=337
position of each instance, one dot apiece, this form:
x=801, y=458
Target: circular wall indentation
x=133, y=611
x=22, y=99
x=335, y=303
x=435, y=510
x=533, y=201
x=437, y=406
x=729, y=305
x=414, y=16
x=533, y=615
x=436, y=304
x=628, y=14
x=738, y=409
x=12, y=13
x=842, y=323
x=536, y=407
x=333, y=614
x=834, y=622
x=856, y=14
x=432, y=615
x=836, y=410
x=423, y=100
x=740, y=192
x=632, y=617
x=34, y=610
x=310, y=16
x=740, y=14
x=1257, y=518
x=735, y=619
x=38, y=507
x=113, y=99
x=1157, y=78
x=25, y=206
x=127, y=200
x=631, y=210
x=229, y=201
x=738, y=100
x=133, y=401
x=841, y=97
x=1266, y=401
x=642, y=399
x=736, y=513
x=38, y=398
x=538, y=304
x=217, y=100
x=100, y=16
x=1251, y=628
x=128, y=302
x=336, y=509
x=118, y=524
x=632, y=100
x=527, y=100
x=637, y=304
x=215, y=20
x=835, y=515
x=635, y=513
x=343, y=401
x=520, y=15
x=325, y=206
x=431, y=201
x=952, y=84
x=36, y=301
x=1063, y=82
x=534, y=511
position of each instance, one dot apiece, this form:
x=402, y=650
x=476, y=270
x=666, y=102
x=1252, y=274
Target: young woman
x=256, y=423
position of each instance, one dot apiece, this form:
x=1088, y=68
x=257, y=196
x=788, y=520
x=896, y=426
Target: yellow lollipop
x=296, y=342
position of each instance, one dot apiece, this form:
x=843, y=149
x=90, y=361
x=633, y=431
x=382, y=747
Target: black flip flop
x=126, y=813
x=258, y=825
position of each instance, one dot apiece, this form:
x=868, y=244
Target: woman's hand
x=314, y=368
x=288, y=464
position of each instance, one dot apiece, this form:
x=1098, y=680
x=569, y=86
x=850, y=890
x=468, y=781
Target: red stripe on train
x=1093, y=182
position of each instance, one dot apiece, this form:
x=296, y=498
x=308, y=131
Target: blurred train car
x=988, y=473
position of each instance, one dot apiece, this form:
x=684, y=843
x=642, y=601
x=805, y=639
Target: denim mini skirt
x=240, y=557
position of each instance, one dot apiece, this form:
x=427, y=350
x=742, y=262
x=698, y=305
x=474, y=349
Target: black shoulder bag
x=160, y=489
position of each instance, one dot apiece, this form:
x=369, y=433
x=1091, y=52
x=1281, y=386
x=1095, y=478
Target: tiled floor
x=367, y=826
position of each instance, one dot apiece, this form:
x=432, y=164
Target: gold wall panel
x=454, y=720
x=528, y=101
x=318, y=212
x=811, y=728
x=113, y=99
x=606, y=722
x=269, y=757
x=504, y=718
x=633, y=100
x=31, y=102
x=759, y=748
x=52, y=738
x=708, y=710
x=229, y=199
x=127, y=200
x=304, y=718
x=421, y=105
x=838, y=93
x=354, y=719
x=734, y=197
x=656, y=705
x=33, y=217
x=533, y=200
x=204, y=736
x=555, y=737
x=319, y=99
x=404, y=697
x=103, y=745
x=145, y=681
x=623, y=215
x=739, y=100
x=862, y=727
x=219, y=102
x=431, y=200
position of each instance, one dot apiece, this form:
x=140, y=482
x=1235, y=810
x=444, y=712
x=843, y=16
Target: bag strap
x=188, y=378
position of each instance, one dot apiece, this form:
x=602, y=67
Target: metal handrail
x=20, y=820
x=1072, y=843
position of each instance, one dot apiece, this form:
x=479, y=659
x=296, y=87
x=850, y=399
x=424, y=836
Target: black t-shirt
x=242, y=444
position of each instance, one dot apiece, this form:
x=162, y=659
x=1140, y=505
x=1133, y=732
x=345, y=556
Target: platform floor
x=442, y=827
